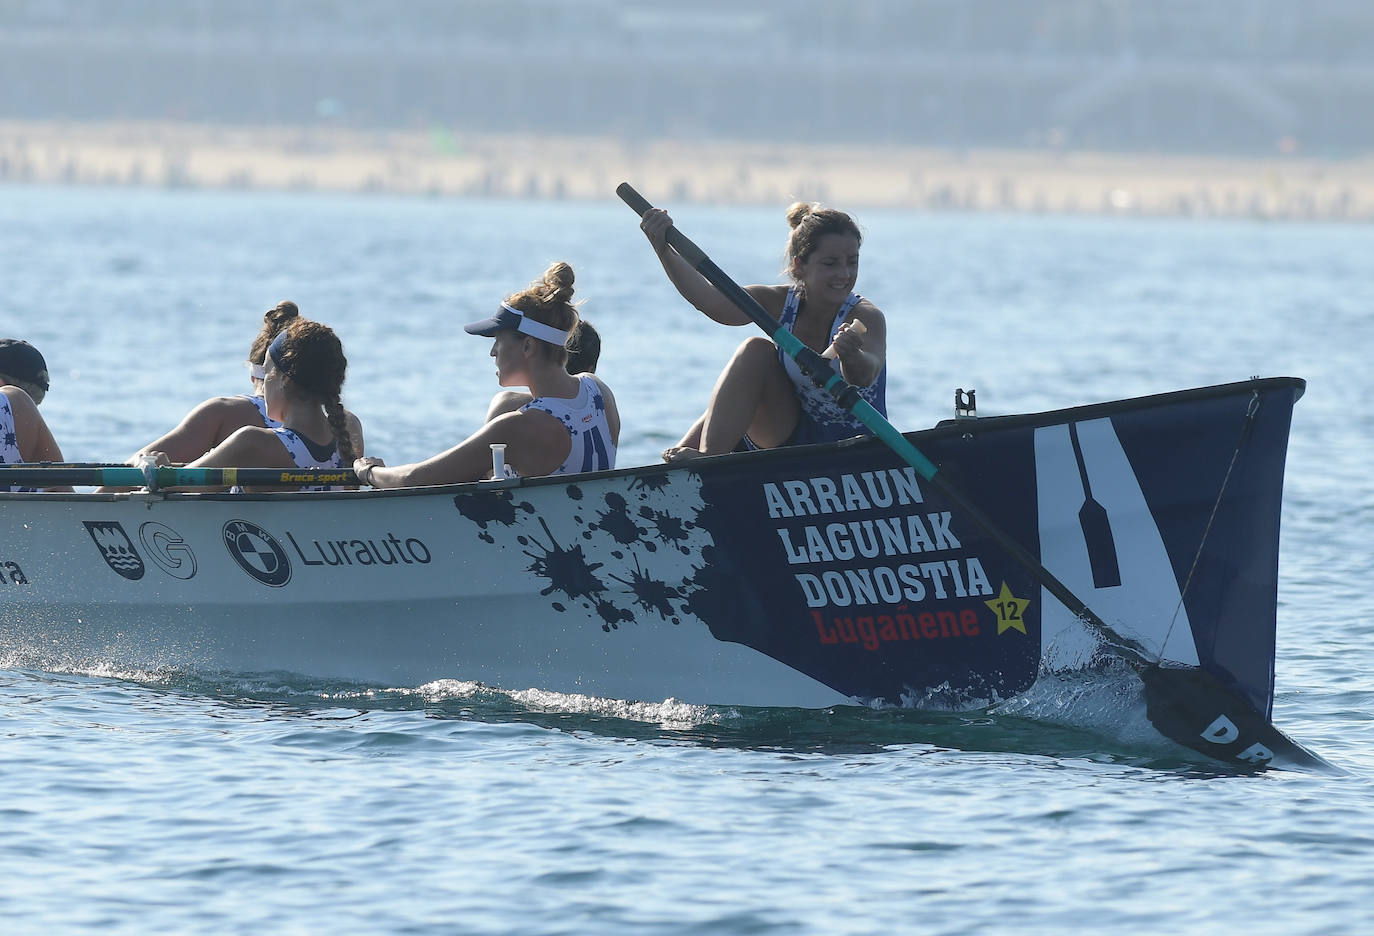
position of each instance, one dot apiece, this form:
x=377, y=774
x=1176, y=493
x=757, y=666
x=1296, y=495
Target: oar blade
x=1193, y=707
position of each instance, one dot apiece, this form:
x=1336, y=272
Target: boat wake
x=1097, y=714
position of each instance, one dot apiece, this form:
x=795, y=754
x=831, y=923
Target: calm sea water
x=179, y=803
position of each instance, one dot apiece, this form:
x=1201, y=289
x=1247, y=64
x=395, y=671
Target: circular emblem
x=257, y=553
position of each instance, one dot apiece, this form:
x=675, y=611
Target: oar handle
x=830, y=352
x=676, y=239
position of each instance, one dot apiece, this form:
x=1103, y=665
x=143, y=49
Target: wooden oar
x=163, y=477
x=1186, y=704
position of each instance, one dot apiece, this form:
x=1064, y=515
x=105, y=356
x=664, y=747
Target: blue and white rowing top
x=584, y=416
x=261, y=403
x=308, y=455
x=9, y=443
x=822, y=419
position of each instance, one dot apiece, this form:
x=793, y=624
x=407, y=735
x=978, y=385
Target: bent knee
x=756, y=350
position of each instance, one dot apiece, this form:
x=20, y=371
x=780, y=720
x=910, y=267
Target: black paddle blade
x=1097, y=533
x=1192, y=707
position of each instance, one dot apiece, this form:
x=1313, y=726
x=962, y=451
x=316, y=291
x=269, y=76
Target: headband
x=277, y=348
x=535, y=329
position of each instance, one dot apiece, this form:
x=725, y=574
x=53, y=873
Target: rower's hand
x=362, y=467
x=655, y=224
x=849, y=338
x=158, y=459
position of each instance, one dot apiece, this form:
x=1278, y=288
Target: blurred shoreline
x=445, y=163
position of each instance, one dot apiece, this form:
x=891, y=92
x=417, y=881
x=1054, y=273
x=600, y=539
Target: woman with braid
x=216, y=419
x=303, y=376
x=571, y=424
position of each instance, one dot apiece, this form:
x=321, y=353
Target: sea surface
x=183, y=803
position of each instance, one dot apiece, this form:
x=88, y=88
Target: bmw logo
x=257, y=553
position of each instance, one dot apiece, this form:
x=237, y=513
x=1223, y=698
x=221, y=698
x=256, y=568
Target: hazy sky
x=1230, y=76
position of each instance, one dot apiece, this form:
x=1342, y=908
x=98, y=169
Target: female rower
x=216, y=419
x=762, y=399
x=303, y=376
x=24, y=436
x=571, y=424
x=584, y=349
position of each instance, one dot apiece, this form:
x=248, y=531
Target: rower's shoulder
x=13, y=393
x=21, y=404
x=252, y=440
x=240, y=403
x=601, y=387
x=771, y=297
x=865, y=307
x=522, y=428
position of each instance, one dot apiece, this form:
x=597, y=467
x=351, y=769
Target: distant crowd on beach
x=919, y=179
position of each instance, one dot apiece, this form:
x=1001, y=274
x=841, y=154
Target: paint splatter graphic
x=567, y=570
x=619, y=550
x=496, y=508
x=651, y=594
x=673, y=531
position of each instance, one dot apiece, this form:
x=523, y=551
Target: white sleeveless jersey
x=584, y=416
x=261, y=403
x=9, y=441
x=302, y=455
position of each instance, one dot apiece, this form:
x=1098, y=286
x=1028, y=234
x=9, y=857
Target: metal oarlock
x=498, y=460
x=965, y=404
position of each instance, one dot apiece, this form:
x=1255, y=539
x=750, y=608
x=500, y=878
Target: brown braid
x=312, y=356
x=338, y=424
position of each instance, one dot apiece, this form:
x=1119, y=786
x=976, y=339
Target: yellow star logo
x=1010, y=610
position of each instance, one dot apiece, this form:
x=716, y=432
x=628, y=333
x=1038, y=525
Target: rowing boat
x=807, y=576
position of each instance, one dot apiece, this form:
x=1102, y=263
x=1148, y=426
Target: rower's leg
x=752, y=395
x=689, y=445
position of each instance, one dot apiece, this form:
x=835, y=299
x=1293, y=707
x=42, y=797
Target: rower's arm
x=697, y=290
x=247, y=447
x=536, y=444
x=206, y=426
x=34, y=438
x=692, y=286
x=863, y=354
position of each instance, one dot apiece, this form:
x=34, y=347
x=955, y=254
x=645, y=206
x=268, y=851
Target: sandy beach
x=444, y=163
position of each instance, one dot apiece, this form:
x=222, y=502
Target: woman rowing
x=571, y=423
x=762, y=399
x=213, y=421
x=584, y=350
x=24, y=435
x=303, y=375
